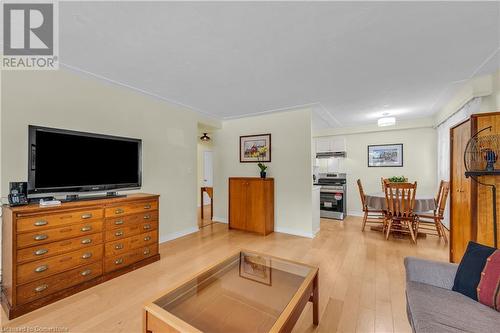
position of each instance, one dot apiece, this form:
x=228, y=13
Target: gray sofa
x=433, y=307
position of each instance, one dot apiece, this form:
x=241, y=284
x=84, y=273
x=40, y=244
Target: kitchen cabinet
x=330, y=144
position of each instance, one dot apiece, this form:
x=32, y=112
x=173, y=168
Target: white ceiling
x=351, y=61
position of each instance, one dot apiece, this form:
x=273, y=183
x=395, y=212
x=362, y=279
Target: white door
x=208, y=176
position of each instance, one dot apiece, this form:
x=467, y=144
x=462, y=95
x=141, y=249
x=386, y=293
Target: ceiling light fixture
x=386, y=121
x=205, y=137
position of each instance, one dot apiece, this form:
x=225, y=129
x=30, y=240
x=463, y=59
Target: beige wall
x=290, y=166
x=419, y=162
x=67, y=100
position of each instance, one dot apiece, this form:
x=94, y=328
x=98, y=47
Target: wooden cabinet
x=251, y=204
x=471, y=213
x=52, y=252
x=460, y=193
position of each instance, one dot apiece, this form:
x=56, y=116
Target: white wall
x=67, y=100
x=290, y=166
x=419, y=162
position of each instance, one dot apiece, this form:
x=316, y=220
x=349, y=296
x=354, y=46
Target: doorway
x=205, y=183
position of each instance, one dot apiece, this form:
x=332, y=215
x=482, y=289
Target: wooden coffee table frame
x=158, y=320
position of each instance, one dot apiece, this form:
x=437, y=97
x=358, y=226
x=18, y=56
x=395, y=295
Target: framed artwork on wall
x=255, y=148
x=390, y=155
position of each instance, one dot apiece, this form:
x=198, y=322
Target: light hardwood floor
x=361, y=279
x=206, y=216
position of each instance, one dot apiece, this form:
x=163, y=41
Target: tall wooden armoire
x=471, y=213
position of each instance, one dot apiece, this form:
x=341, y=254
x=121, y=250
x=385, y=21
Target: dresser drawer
x=42, y=222
x=56, y=234
x=114, y=263
x=131, y=230
x=52, y=284
x=131, y=208
x=42, y=268
x=124, y=221
x=51, y=249
x=122, y=246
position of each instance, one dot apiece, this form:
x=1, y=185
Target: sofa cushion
x=488, y=290
x=470, y=268
x=434, y=309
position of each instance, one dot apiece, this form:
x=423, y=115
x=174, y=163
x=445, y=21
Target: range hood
x=329, y=154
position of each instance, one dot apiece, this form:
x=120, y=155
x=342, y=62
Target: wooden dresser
x=251, y=204
x=52, y=252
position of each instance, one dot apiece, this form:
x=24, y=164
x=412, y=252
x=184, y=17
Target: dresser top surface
x=82, y=203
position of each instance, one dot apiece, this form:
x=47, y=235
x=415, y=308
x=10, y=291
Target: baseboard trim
x=355, y=213
x=178, y=234
x=294, y=232
x=219, y=219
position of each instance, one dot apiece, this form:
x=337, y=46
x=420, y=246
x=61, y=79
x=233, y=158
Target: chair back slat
x=400, y=199
x=362, y=194
x=443, y=198
x=439, y=193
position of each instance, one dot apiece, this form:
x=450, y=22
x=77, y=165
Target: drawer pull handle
x=119, y=211
x=118, y=222
x=119, y=233
x=147, y=217
x=148, y=206
x=40, y=237
x=147, y=226
x=41, y=288
x=86, y=255
x=119, y=261
x=41, y=251
x=40, y=223
x=86, y=216
x=86, y=241
x=119, y=246
x=86, y=272
x=147, y=238
x=146, y=252
x=86, y=228
x=41, y=269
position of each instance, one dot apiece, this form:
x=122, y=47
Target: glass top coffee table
x=245, y=292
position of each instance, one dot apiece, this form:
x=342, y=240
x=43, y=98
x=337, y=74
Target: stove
x=333, y=194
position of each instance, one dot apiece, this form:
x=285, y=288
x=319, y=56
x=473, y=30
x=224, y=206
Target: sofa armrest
x=435, y=273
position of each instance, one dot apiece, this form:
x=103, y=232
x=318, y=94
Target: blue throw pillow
x=470, y=268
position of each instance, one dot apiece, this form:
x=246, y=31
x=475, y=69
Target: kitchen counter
x=315, y=209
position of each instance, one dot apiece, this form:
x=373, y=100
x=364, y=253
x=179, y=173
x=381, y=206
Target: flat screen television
x=69, y=161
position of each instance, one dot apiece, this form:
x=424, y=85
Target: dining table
x=423, y=203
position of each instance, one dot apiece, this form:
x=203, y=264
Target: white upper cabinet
x=330, y=144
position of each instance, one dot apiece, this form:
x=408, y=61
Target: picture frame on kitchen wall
x=255, y=148
x=387, y=155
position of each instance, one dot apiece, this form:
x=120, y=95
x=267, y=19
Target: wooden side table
x=210, y=192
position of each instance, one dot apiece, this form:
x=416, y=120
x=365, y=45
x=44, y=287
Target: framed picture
x=256, y=268
x=385, y=155
x=255, y=148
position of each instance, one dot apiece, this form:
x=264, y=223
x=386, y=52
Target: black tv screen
x=69, y=161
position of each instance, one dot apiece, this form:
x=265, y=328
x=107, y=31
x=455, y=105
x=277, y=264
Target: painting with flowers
x=255, y=148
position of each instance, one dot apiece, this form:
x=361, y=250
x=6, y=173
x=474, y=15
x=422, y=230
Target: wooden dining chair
x=383, y=181
x=400, y=201
x=432, y=224
x=369, y=215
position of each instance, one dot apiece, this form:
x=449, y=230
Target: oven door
x=332, y=203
